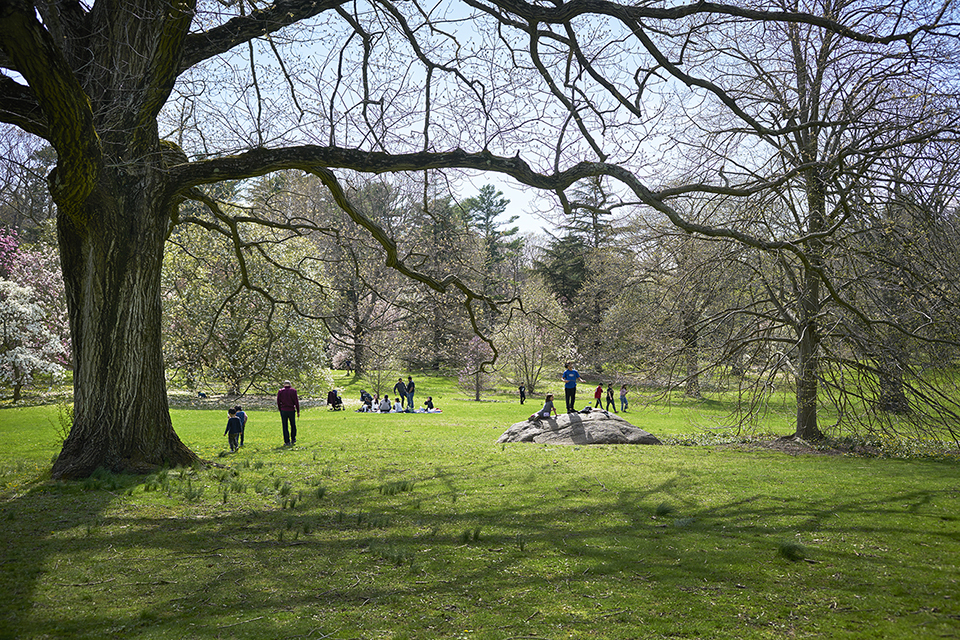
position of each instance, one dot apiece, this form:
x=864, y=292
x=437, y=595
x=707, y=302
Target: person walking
x=570, y=378
x=289, y=405
x=410, y=389
x=598, y=396
x=233, y=429
x=401, y=390
x=623, y=398
x=243, y=422
x=610, y=401
x=523, y=393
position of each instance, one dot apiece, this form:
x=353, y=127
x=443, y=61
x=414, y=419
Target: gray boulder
x=596, y=427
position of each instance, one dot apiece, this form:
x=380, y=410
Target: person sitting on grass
x=366, y=401
x=547, y=409
x=385, y=405
x=429, y=403
x=398, y=406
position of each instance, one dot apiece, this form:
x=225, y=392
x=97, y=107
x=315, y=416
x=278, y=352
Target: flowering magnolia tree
x=27, y=345
x=34, y=334
x=8, y=250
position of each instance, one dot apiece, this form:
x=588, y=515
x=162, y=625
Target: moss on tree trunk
x=111, y=268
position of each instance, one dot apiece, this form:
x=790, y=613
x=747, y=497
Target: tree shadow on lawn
x=71, y=571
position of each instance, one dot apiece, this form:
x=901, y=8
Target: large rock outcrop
x=596, y=427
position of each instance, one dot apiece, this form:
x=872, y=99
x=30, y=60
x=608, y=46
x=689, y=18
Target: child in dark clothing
x=234, y=427
x=610, y=401
x=243, y=422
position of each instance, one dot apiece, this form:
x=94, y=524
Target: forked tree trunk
x=808, y=380
x=112, y=254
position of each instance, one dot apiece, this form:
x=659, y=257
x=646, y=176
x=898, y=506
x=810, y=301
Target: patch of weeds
x=394, y=554
x=105, y=480
x=684, y=522
x=320, y=492
x=222, y=475
x=470, y=535
x=18, y=468
x=379, y=521
x=237, y=487
x=395, y=487
x=664, y=509
x=521, y=543
x=159, y=481
x=792, y=551
x=64, y=422
x=258, y=464
x=284, y=489
x=94, y=524
x=190, y=492
x=372, y=520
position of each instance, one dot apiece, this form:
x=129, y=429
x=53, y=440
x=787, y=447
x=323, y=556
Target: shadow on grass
x=347, y=567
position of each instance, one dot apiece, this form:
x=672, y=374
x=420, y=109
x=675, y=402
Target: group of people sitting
x=376, y=404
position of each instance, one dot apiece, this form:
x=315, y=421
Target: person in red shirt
x=289, y=405
x=598, y=394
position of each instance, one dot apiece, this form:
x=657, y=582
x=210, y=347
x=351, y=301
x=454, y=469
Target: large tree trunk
x=111, y=268
x=808, y=333
x=892, y=398
x=691, y=352
x=808, y=375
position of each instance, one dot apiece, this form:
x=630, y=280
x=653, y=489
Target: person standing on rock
x=289, y=405
x=570, y=379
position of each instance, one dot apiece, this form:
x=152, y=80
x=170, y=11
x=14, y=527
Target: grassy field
x=422, y=526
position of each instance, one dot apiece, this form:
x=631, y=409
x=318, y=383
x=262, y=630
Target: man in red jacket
x=289, y=405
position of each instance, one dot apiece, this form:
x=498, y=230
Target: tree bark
x=111, y=269
x=808, y=334
x=892, y=398
x=691, y=353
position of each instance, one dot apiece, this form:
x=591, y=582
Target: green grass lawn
x=422, y=526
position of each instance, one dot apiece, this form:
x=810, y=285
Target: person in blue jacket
x=570, y=379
